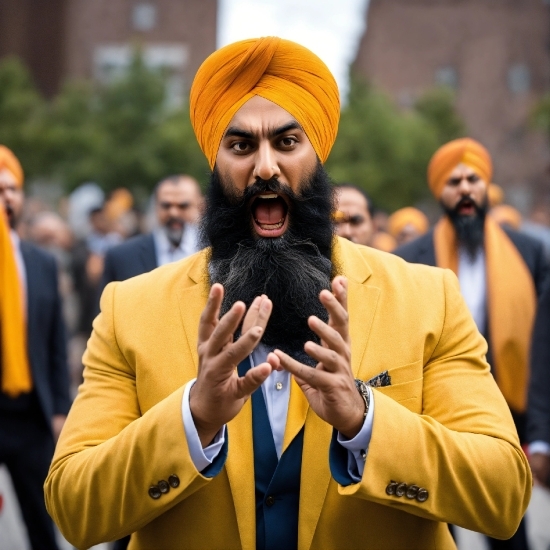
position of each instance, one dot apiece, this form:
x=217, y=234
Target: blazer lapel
x=362, y=302
x=240, y=460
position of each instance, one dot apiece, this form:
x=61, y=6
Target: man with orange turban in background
x=407, y=224
x=34, y=392
x=501, y=271
x=283, y=388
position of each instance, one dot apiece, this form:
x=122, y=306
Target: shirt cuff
x=541, y=447
x=202, y=458
x=358, y=446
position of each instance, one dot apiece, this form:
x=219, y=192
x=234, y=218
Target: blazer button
x=174, y=481
x=390, y=489
x=270, y=501
x=422, y=495
x=412, y=491
x=163, y=486
x=401, y=489
x=154, y=492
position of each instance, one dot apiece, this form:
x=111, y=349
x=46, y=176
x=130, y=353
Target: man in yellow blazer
x=232, y=401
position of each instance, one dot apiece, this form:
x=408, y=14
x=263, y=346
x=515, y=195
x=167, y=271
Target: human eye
x=240, y=147
x=288, y=142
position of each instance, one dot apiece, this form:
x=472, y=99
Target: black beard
x=291, y=269
x=470, y=230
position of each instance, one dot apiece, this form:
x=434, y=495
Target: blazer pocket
x=406, y=382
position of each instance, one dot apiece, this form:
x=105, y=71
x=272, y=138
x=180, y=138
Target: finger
x=252, y=380
x=252, y=314
x=340, y=290
x=227, y=325
x=211, y=312
x=329, y=335
x=338, y=314
x=274, y=361
x=234, y=353
x=330, y=360
x=260, y=316
x=315, y=378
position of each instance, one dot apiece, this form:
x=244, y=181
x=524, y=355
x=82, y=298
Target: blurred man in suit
x=354, y=212
x=178, y=206
x=500, y=271
x=34, y=400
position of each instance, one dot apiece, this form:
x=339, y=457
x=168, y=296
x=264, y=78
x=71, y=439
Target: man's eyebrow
x=237, y=132
x=285, y=128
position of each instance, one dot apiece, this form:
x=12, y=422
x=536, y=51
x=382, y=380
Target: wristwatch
x=363, y=389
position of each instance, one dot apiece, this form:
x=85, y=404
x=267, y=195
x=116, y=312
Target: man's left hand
x=330, y=386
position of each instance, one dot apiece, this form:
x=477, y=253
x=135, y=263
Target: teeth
x=268, y=196
x=269, y=226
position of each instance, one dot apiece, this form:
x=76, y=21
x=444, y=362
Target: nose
x=465, y=187
x=266, y=166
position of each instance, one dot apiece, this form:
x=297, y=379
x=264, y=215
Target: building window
x=447, y=76
x=519, y=78
x=144, y=16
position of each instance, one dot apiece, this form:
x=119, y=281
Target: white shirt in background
x=168, y=253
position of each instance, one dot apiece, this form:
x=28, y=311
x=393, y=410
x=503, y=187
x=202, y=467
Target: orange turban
x=9, y=160
x=460, y=151
x=273, y=68
x=405, y=216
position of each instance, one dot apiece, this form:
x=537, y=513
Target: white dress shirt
x=473, y=286
x=168, y=253
x=276, y=393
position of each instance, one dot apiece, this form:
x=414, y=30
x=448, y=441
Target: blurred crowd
x=86, y=224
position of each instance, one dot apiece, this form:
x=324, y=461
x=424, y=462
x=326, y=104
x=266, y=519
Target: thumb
x=252, y=380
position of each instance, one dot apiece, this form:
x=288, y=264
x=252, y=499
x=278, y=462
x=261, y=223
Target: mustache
x=260, y=186
x=464, y=201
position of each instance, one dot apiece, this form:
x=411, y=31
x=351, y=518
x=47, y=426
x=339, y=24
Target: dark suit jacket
x=46, y=337
x=538, y=407
x=422, y=251
x=133, y=257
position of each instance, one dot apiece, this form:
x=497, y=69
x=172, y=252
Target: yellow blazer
x=442, y=424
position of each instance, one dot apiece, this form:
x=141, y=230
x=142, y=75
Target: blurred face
x=11, y=196
x=356, y=224
x=178, y=203
x=464, y=191
x=265, y=142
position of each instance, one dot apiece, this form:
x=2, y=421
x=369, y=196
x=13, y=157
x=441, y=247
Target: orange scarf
x=14, y=363
x=511, y=305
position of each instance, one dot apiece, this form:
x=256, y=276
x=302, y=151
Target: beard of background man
x=291, y=269
x=469, y=229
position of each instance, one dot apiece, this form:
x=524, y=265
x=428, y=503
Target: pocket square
x=380, y=380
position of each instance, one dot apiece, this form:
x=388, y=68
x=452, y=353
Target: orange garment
x=460, y=151
x=14, y=363
x=495, y=194
x=405, y=216
x=511, y=305
x=279, y=70
x=9, y=160
x=504, y=214
x=383, y=241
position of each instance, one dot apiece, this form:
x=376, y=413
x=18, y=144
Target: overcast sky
x=330, y=28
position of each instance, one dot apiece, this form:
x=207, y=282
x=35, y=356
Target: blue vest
x=277, y=482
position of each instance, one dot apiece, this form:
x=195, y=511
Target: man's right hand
x=219, y=393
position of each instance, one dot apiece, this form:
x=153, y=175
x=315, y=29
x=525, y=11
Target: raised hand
x=219, y=393
x=330, y=386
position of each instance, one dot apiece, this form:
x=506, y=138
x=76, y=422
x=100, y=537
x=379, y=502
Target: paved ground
x=13, y=535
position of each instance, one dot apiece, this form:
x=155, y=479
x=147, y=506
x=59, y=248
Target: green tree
x=385, y=150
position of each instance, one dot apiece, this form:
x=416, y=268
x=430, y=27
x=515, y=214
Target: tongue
x=269, y=212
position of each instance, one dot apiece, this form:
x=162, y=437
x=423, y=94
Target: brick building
x=96, y=38
x=494, y=53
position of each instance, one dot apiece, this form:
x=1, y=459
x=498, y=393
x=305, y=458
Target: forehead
x=462, y=170
x=183, y=189
x=259, y=115
x=7, y=178
x=351, y=199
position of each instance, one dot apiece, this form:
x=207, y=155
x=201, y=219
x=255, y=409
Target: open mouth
x=466, y=207
x=270, y=214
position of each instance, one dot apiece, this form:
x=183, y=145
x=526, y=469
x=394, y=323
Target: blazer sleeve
x=57, y=356
x=538, y=407
x=462, y=448
x=105, y=462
